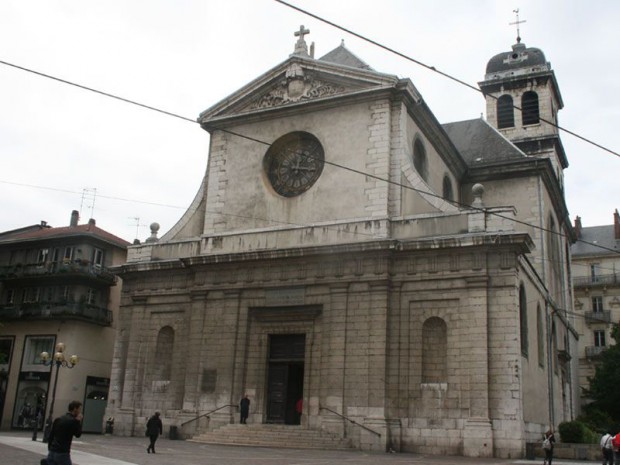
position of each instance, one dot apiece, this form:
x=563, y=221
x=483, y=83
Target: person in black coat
x=63, y=430
x=154, y=428
x=244, y=408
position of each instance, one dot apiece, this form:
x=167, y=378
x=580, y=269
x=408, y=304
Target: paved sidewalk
x=19, y=449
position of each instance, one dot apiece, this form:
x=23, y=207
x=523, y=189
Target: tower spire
x=517, y=22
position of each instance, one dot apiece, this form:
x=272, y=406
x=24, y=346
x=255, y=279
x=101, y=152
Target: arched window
x=419, y=159
x=505, y=112
x=540, y=331
x=529, y=108
x=448, y=194
x=163, y=354
x=434, y=351
x=523, y=320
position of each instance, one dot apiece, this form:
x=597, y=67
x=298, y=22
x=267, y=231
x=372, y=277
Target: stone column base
x=478, y=438
x=372, y=441
x=124, y=422
x=192, y=428
x=334, y=425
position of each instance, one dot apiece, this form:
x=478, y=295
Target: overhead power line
x=420, y=191
x=435, y=70
x=90, y=89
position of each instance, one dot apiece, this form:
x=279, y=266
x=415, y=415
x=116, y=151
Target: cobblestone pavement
x=19, y=449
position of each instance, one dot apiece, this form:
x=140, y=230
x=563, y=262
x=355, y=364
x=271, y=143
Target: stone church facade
x=348, y=250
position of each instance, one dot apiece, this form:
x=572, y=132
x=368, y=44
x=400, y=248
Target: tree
x=604, y=384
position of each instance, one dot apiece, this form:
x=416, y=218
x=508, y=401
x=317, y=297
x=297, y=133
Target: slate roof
x=480, y=144
x=38, y=233
x=596, y=236
x=519, y=57
x=343, y=56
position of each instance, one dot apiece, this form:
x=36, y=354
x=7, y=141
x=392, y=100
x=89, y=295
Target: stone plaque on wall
x=285, y=296
x=209, y=379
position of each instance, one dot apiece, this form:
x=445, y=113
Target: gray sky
x=183, y=56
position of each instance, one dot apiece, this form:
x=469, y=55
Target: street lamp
x=58, y=360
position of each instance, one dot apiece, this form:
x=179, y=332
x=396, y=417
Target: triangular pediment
x=297, y=80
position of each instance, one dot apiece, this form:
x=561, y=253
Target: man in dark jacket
x=63, y=430
x=154, y=428
x=244, y=407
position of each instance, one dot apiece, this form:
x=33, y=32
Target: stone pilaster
x=333, y=360
x=193, y=373
x=478, y=438
x=478, y=433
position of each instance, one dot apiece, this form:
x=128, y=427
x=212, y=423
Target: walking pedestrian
x=548, y=444
x=154, y=428
x=61, y=435
x=607, y=449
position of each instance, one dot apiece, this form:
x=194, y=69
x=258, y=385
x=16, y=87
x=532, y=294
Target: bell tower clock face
x=293, y=163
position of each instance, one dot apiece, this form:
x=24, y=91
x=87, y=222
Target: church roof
x=597, y=236
x=343, y=56
x=519, y=57
x=480, y=144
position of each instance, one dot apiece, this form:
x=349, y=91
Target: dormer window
x=529, y=108
x=505, y=112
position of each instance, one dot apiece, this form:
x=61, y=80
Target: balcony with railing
x=603, y=316
x=597, y=281
x=64, y=269
x=56, y=311
x=595, y=351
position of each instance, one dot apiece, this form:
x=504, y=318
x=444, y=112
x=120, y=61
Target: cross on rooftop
x=517, y=22
x=302, y=32
x=300, y=47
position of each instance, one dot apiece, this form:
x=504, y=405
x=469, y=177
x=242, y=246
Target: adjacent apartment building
x=596, y=281
x=55, y=287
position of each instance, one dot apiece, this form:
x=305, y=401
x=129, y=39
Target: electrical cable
x=432, y=68
x=125, y=100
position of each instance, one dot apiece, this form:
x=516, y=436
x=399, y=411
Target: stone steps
x=294, y=437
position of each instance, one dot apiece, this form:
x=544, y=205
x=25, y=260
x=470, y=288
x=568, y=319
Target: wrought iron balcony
x=597, y=281
x=81, y=268
x=598, y=317
x=56, y=311
x=595, y=351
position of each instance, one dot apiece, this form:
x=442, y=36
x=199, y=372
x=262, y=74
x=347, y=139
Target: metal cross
x=517, y=22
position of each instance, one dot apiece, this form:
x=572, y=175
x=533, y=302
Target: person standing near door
x=244, y=408
x=299, y=408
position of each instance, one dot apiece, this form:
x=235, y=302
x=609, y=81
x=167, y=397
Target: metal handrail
x=207, y=414
x=350, y=420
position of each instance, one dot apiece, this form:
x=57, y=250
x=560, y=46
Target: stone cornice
x=303, y=106
x=527, y=167
x=521, y=241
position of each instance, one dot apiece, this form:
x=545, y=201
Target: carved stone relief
x=296, y=86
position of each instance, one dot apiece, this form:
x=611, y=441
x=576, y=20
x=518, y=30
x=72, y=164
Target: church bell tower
x=523, y=100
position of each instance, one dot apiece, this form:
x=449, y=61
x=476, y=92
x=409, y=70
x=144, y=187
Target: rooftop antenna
x=138, y=224
x=89, y=194
x=517, y=22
